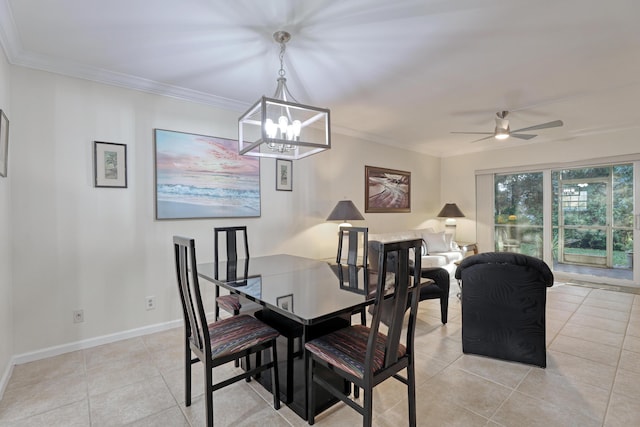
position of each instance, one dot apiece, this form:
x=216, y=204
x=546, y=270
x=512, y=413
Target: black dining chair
x=220, y=342
x=365, y=356
x=357, y=257
x=230, y=303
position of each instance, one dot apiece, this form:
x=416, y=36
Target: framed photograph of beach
x=4, y=143
x=109, y=165
x=198, y=176
x=386, y=190
x=284, y=178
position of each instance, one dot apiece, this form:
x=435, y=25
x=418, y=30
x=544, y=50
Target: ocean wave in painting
x=209, y=196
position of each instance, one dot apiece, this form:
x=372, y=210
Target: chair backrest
x=358, y=246
x=231, y=242
x=195, y=320
x=356, y=258
x=391, y=308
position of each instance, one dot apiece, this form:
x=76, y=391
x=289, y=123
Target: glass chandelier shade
x=281, y=127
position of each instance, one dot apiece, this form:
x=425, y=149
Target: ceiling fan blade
x=552, y=124
x=475, y=133
x=522, y=136
x=482, y=139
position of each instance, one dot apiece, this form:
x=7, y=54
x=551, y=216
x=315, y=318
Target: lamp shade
x=345, y=210
x=450, y=210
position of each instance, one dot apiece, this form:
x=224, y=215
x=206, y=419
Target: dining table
x=318, y=294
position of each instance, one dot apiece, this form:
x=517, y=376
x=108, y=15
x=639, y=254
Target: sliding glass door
x=579, y=219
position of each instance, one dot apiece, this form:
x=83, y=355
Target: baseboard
x=88, y=343
x=4, y=380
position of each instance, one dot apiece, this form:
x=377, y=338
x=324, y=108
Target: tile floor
x=592, y=379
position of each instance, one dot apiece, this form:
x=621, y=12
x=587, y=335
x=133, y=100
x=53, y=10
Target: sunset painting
x=201, y=176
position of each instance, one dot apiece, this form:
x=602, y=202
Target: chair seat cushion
x=346, y=349
x=238, y=333
x=230, y=303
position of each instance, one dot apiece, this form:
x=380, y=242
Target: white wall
x=100, y=250
x=6, y=307
x=458, y=172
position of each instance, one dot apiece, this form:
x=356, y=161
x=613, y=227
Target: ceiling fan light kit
x=502, y=130
x=279, y=126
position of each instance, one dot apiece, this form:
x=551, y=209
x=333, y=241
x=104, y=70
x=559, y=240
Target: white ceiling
x=401, y=72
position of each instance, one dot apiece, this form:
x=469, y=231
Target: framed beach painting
x=200, y=176
x=386, y=190
x=109, y=165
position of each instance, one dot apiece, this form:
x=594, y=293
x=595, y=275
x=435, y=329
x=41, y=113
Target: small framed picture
x=4, y=143
x=110, y=164
x=284, y=177
x=285, y=302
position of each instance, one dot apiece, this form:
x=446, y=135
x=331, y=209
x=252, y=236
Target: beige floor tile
x=108, y=376
x=445, y=350
x=508, y=374
x=45, y=369
x=561, y=305
x=564, y=392
x=593, y=334
x=632, y=343
x=441, y=413
x=472, y=392
x=571, y=289
x=561, y=296
x=525, y=411
x=426, y=367
x=125, y=349
x=633, y=328
x=580, y=369
x=130, y=403
x=623, y=411
x=630, y=360
x=624, y=306
x=235, y=405
x=627, y=383
x=594, y=351
x=162, y=340
x=599, y=323
x=72, y=415
x=620, y=316
x=558, y=315
x=604, y=294
x=172, y=417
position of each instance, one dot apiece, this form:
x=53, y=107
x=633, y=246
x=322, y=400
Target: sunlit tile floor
x=592, y=379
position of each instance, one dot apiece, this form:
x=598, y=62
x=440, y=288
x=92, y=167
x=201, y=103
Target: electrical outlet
x=150, y=303
x=78, y=316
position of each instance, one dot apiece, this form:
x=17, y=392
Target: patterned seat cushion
x=230, y=303
x=238, y=333
x=346, y=349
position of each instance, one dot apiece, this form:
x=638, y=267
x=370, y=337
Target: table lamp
x=345, y=211
x=451, y=211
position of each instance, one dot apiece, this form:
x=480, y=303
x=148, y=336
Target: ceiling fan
x=502, y=130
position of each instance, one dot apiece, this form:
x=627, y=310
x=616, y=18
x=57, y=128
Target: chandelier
x=280, y=126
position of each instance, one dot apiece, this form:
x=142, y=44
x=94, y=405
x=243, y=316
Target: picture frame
x=200, y=177
x=386, y=190
x=284, y=175
x=285, y=302
x=109, y=165
x=4, y=144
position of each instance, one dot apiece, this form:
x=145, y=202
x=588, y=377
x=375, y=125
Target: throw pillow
x=436, y=242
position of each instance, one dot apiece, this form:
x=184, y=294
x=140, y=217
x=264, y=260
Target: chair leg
x=208, y=392
x=258, y=363
x=368, y=407
x=247, y=361
x=411, y=387
x=356, y=391
x=311, y=401
x=187, y=374
x=444, y=308
x=275, y=381
x=363, y=317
